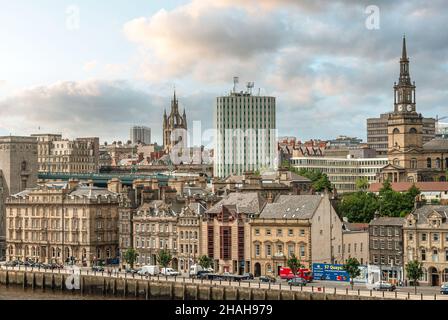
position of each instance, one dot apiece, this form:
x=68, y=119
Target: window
x=446, y=254
x=257, y=232
x=349, y=247
x=279, y=232
x=375, y=244
x=389, y=232
x=410, y=236
x=268, y=250
x=375, y=231
x=389, y=245
x=375, y=259
x=290, y=250
x=435, y=237
x=423, y=236
x=397, y=232
x=290, y=232
x=435, y=255
x=382, y=232
x=382, y=244
x=268, y=232
x=302, y=250
x=302, y=232
x=279, y=249
x=257, y=250
x=428, y=163
x=423, y=255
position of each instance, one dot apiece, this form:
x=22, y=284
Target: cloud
x=90, y=108
x=90, y=66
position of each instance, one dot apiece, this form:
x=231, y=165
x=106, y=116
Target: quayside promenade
x=170, y=288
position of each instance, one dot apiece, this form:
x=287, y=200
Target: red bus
x=286, y=273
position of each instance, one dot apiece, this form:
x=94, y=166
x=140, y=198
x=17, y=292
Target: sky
x=94, y=68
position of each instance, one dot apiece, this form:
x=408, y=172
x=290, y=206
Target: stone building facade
x=355, y=242
x=410, y=159
x=155, y=229
x=59, y=155
x=63, y=222
x=426, y=240
x=225, y=231
x=18, y=171
x=304, y=225
x=386, y=248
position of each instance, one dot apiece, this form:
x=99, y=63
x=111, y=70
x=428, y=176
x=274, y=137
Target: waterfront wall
x=157, y=289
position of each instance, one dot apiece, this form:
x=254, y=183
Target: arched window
x=24, y=165
x=413, y=163
x=438, y=163
x=428, y=163
x=413, y=130
x=396, y=131
x=396, y=162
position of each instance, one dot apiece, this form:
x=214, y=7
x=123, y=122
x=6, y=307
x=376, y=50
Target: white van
x=194, y=269
x=149, y=270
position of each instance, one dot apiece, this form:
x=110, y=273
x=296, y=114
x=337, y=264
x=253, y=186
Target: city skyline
x=119, y=70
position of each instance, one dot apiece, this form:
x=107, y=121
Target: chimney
x=114, y=185
x=376, y=215
x=72, y=184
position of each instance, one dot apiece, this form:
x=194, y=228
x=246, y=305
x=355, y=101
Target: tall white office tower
x=246, y=136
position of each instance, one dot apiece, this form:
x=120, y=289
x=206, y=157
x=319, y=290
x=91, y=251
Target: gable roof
x=292, y=207
x=248, y=203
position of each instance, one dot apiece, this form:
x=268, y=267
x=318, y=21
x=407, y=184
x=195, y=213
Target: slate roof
x=387, y=221
x=248, y=203
x=423, y=212
x=436, y=145
x=292, y=207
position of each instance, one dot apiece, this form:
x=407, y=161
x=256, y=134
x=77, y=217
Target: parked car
x=383, y=286
x=203, y=274
x=98, y=268
x=267, y=279
x=169, y=272
x=131, y=271
x=149, y=270
x=297, y=281
x=248, y=276
x=444, y=288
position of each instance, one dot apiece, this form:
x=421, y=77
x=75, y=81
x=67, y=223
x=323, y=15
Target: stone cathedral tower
x=174, y=121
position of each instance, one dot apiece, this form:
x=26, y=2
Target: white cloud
x=90, y=66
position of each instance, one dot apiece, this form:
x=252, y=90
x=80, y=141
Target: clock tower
x=405, y=125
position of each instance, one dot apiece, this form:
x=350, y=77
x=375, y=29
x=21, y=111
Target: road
x=329, y=287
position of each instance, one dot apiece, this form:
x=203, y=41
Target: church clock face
x=409, y=107
x=400, y=108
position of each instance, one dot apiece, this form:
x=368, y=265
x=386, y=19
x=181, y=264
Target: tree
x=164, y=258
x=294, y=264
x=352, y=268
x=319, y=180
x=205, y=262
x=414, y=271
x=362, y=184
x=130, y=256
x=359, y=206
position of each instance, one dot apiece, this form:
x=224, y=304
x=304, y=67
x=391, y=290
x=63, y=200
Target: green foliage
x=319, y=180
x=294, y=264
x=164, y=258
x=362, y=184
x=130, y=256
x=205, y=262
x=361, y=206
x=414, y=270
x=352, y=268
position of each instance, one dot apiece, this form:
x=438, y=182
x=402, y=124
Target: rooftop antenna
x=236, y=80
x=250, y=86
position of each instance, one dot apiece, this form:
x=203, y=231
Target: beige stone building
x=59, y=155
x=155, y=229
x=426, y=240
x=355, y=242
x=189, y=235
x=61, y=222
x=18, y=170
x=225, y=231
x=306, y=225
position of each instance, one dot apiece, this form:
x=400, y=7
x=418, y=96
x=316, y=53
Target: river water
x=18, y=293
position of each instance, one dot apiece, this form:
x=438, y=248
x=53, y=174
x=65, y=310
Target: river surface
x=18, y=293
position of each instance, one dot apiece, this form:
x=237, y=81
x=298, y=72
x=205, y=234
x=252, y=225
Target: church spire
x=404, y=54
